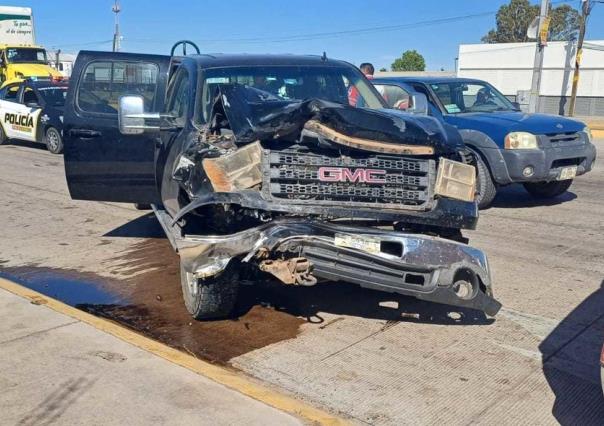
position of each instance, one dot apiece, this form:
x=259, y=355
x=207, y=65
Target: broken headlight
x=236, y=170
x=521, y=140
x=455, y=180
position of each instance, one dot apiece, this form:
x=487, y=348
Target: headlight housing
x=587, y=132
x=521, y=140
x=456, y=180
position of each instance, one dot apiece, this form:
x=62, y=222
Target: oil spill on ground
x=147, y=297
x=159, y=311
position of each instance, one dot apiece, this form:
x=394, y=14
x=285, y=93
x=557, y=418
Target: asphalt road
x=375, y=358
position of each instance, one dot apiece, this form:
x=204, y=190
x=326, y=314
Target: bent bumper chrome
x=416, y=265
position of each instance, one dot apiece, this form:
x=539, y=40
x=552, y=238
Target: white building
x=66, y=61
x=509, y=67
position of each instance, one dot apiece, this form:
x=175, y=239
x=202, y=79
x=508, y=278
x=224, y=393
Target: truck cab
x=259, y=164
x=18, y=62
x=543, y=152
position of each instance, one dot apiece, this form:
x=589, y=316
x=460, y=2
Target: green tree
x=411, y=60
x=383, y=70
x=514, y=19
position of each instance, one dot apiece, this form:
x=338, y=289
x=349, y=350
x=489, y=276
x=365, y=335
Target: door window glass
x=178, y=96
x=9, y=93
x=103, y=83
x=395, y=96
x=30, y=97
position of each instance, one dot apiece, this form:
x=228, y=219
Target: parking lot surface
x=372, y=357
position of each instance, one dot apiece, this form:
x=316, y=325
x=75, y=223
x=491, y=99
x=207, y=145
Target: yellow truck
x=20, y=57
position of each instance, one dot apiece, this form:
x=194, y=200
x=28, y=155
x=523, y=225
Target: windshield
x=463, y=97
x=54, y=96
x=25, y=55
x=292, y=83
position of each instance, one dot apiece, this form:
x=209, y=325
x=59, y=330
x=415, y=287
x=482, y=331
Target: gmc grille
x=403, y=182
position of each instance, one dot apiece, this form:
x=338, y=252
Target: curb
x=222, y=375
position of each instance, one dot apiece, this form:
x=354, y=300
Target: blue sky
x=260, y=26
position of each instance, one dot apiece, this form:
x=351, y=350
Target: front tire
x=210, y=298
x=485, y=187
x=548, y=189
x=3, y=138
x=54, y=141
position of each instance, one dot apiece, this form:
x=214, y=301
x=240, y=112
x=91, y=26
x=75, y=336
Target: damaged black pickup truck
x=266, y=163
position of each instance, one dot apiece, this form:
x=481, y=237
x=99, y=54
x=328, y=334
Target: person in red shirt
x=353, y=94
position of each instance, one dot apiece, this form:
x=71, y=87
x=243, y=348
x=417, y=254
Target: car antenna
x=324, y=57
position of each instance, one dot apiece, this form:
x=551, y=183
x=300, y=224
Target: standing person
x=353, y=94
x=367, y=69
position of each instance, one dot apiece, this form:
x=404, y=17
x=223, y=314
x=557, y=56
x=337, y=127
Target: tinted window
x=30, y=97
x=103, y=83
x=54, y=96
x=178, y=95
x=9, y=93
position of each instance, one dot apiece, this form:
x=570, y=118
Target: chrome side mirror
x=132, y=118
x=419, y=104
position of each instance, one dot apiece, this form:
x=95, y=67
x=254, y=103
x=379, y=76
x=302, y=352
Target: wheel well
x=478, y=152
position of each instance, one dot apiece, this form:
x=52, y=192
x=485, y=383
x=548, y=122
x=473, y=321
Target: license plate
x=359, y=242
x=568, y=173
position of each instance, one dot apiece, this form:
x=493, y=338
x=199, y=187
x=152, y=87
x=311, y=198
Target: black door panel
x=100, y=163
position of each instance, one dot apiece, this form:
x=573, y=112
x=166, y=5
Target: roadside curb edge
x=222, y=375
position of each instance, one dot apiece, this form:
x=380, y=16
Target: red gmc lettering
x=342, y=174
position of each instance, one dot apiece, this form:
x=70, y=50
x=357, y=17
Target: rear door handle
x=84, y=133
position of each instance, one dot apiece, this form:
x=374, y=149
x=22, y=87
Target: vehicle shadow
x=571, y=363
x=338, y=298
x=515, y=196
x=145, y=226
x=27, y=144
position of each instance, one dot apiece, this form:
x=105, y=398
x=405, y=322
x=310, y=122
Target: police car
x=32, y=110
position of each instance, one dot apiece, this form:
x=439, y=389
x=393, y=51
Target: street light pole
x=116, y=8
x=543, y=29
x=586, y=9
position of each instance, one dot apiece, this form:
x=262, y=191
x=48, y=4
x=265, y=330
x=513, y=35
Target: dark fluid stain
x=159, y=312
x=146, y=297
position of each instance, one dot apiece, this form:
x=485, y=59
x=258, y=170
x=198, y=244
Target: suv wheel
x=485, y=187
x=3, y=138
x=54, y=141
x=548, y=189
x=211, y=298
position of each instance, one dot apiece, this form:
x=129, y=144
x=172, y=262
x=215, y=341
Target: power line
x=324, y=35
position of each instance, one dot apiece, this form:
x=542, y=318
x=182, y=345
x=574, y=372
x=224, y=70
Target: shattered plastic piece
x=235, y=171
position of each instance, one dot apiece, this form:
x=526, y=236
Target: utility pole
x=586, y=6
x=543, y=29
x=116, y=8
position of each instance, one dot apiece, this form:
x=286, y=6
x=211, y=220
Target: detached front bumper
x=425, y=267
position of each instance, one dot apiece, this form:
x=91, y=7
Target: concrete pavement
x=378, y=358
x=55, y=369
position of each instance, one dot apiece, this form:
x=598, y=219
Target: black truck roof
x=211, y=60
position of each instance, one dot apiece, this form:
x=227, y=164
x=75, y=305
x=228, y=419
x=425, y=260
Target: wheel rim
x=52, y=139
x=191, y=283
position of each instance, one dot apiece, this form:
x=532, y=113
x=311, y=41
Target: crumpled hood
x=513, y=121
x=252, y=115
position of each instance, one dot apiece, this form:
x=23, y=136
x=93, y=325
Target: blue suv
x=543, y=152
